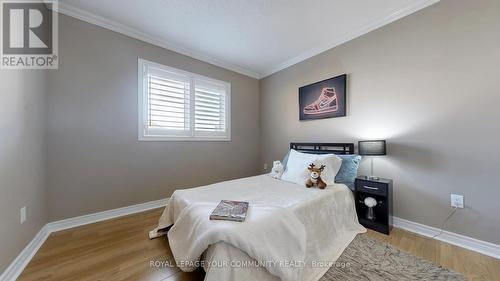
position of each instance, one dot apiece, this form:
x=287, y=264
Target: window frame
x=145, y=133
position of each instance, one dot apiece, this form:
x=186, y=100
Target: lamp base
x=370, y=215
x=371, y=177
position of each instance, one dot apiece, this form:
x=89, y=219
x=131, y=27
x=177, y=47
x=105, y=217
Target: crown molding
x=398, y=14
x=80, y=14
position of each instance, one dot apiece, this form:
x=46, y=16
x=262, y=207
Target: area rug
x=369, y=259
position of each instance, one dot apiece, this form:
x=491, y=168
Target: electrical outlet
x=457, y=201
x=22, y=212
x=265, y=166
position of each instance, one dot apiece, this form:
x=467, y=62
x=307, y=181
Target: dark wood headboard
x=323, y=148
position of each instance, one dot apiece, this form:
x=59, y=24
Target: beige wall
x=22, y=159
x=95, y=161
x=429, y=84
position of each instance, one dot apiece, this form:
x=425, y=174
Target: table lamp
x=372, y=148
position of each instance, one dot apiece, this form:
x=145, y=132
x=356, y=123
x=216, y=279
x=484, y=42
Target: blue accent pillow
x=348, y=170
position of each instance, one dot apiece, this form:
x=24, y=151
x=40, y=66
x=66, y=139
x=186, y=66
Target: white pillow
x=297, y=164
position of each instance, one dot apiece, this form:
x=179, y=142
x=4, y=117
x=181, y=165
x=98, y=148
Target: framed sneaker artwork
x=323, y=99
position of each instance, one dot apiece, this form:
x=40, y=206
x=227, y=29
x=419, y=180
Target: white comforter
x=279, y=215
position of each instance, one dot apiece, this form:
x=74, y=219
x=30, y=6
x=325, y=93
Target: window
x=176, y=105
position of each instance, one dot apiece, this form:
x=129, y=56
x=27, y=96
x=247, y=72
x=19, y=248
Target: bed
x=290, y=233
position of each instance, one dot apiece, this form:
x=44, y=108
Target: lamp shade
x=372, y=147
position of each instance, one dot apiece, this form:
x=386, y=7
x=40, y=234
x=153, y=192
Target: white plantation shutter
x=177, y=105
x=168, y=103
x=210, y=108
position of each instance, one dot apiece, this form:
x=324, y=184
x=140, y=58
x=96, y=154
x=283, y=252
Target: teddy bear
x=315, y=177
x=277, y=170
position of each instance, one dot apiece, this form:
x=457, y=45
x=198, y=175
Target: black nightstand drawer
x=371, y=187
x=378, y=217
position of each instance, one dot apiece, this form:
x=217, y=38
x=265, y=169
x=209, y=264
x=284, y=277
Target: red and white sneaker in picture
x=327, y=102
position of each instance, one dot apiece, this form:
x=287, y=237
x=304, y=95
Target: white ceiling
x=252, y=37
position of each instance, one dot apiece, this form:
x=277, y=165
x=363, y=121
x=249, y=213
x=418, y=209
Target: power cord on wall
x=444, y=222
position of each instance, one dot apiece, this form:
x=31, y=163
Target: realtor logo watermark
x=29, y=34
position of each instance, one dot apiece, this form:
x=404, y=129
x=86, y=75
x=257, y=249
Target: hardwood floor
x=119, y=249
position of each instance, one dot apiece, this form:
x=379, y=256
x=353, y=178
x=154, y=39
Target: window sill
x=182, y=139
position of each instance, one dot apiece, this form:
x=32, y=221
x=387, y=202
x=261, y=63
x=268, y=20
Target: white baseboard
x=17, y=266
x=483, y=247
x=22, y=260
x=105, y=215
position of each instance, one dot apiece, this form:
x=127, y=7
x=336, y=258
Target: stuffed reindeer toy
x=315, y=177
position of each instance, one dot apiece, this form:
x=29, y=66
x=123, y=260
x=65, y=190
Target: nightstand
x=381, y=190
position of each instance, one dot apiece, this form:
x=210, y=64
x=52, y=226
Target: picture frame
x=323, y=99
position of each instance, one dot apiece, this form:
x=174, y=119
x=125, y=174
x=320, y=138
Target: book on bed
x=230, y=211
